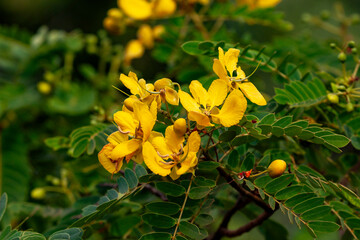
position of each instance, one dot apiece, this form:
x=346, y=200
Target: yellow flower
x=145, y=36
x=134, y=49
x=138, y=126
x=138, y=87
x=142, y=9
x=202, y=107
x=165, y=156
x=167, y=91
x=110, y=164
x=203, y=2
x=259, y=3
x=226, y=66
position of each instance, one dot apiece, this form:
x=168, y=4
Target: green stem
x=182, y=208
x=1, y=173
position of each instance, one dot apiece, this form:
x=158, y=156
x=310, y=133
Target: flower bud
x=354, y=51
x=44, y=87
x=276, y=168
x=342, y=57
x=38, y=193
x=349, y=107
x=351, y=44
x=115, y=13
x=333, y=45
x=180, y=126
x=333, y=98
x=158, y=31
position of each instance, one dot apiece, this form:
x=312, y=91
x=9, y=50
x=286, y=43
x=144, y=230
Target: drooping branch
x=240, y=203
x=249, y=226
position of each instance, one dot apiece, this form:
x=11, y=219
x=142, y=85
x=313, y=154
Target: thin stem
x=168, y=111
x=199, y=25
x=1, y=173
x=182, y=208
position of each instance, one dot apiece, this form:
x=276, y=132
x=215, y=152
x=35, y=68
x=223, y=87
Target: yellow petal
x=153, y=109
x=153, y=161
x=217, y=93
x=240, y=73
x=163, y=8
x=193, y=143
x=110, y=166
x=233, y=109
x=219, y=69
x=146, y=119
x=145, y=36
x=200, y=118
x=126, y=122
x=173, y=173
x=158, y=31
x=251, y=92
x=162, y=83
x=142, y=87
x=231, y=59
x=160, y=146
x=199, y=92
x=134, y=49
x=117, y=137
x=173, y=140
x=171, y=96
x=125, y=148
x=136, y=9
x=221, y=57
x=131, y=83
x=190, y=161
x=188, y=102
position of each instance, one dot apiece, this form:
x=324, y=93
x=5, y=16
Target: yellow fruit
x=38, y=193
x=276, y=168
x=44, y=87
x=180, y=126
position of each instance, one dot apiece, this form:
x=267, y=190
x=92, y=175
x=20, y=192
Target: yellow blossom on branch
x=202, y=106
x=227, y=70
x=167, y=155
x=253, y=4
x=142, y=9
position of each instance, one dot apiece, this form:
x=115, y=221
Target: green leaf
x=3, y=203
x=250, y=185
x=204, y=220
x=140, y=171
x=268, y=119
x=323, y=226
x=291, y=202
x=192, y=48
x=199, y=192
x=71, y=233
x=207, y=165
x=122, y=185
x=121, y=226
x=239, y=140
x=262, y=181
x=227, y=136
x=248, y=163
x=170, y=188
x=167, y=208
x=288, y=192
x=234, y=159
x=190, y=230
x=131, y=178
x=308, y=204
x=336, y=140
x=279, y=183
x=316, y=213
x=57, y=143
x=204, y=182
x=158, y=220
x=272, y=203
x=156, y=236
x=350, y=195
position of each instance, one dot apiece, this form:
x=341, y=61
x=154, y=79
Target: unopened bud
x=38, y=193
x=333, y=45
x=351, y=44
x=333, y=98
x=349, y=107
x=180, y=126
x=276, y=168
x=342, y=57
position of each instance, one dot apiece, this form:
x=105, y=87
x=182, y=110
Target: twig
x=156, y=192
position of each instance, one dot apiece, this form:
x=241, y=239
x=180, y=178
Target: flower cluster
x=176, y=152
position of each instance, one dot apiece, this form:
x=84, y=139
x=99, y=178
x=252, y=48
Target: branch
x=240, y=203
x=248, y=227
x=257, y=200
x=156, y=192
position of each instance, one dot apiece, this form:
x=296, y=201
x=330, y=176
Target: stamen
x=120, y=130
x=163, y=156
